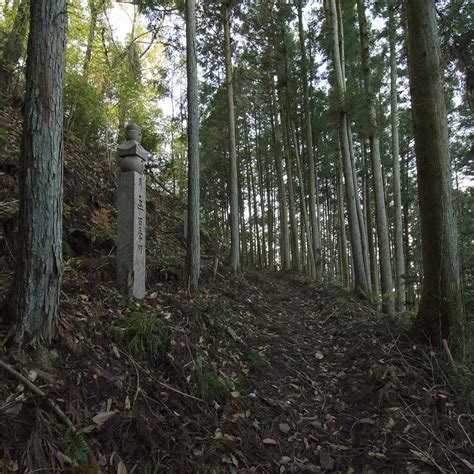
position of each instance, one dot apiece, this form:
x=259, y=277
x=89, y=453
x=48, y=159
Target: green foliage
x=463, y=380
x=144, y=334
x=84, y=108
x=3, y=135
x=162, y=260
x=210, y=385
x=151, y=466
x=257, y=361
x=465, y=201
x=77, y=448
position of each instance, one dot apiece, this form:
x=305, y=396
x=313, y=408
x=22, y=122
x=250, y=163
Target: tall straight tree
x=234, y=181
x=399, y=257
x=313, y=211
x=441, y=311
x=361, y=283
x=95, y=7
x=380, y=211
x=34, y=297
x=193, y=257
x=282, y=202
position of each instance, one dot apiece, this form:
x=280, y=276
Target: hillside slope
x=260, y=372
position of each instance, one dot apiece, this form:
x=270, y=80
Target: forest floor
x=264, y=372
x=260, y=372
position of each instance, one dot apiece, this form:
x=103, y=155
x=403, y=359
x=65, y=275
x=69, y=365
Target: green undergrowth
x=256, y=361
x=144, y=334
x=151, y=466
x=211, y=386
x=77, y=448
x=463, y=380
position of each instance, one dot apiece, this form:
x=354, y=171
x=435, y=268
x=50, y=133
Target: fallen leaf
x=256, y=424
x=390, y=424
x=121, y=469
x=11, y=466
x=270, y=441
x=325, y=460
x=381, y=455
x=115, y=351
x=102, y=417
x=88, y=429
x=128, y=405
x=319, y=355
x=233, y=334
x=63, y=459
x=284, y=427
x=32, y=375
x=235, y=394
x=238, y=416
x=284, y=460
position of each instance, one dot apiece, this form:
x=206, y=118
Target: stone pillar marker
x=131, y=222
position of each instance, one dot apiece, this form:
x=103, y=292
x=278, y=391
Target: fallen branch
x=329, y=317
x=56, y=409
x=169, y=387
x=449, y=355
x=175, y=390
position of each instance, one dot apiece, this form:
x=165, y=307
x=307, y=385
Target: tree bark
x=193, y=255
x=399, y=257
x=343, y=260
x=313, y=211
x=282, y=202
x=374, y=273
x=360, y=276
x=94, y=12
x=234, y=182
x=380, y=211
x=251, y=261
x=295, y=249
x=311, y=266
x=270, y=217
x=262, y=195
x=441, y=311
x=34, y=297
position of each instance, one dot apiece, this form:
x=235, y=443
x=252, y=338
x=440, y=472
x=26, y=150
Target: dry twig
x=55, y=408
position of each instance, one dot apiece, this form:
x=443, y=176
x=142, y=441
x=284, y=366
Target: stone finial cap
x=132, y=153
x=133, y=132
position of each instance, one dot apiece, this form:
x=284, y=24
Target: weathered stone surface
x=131, y=224
x=133, y=155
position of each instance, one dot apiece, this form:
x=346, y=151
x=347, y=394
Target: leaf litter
x=261, y=372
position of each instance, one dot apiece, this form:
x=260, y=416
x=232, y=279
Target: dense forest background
x=280, y=91
x=314, y=138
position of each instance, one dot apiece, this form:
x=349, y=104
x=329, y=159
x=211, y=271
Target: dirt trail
x=340, y=391
x=317, y=381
